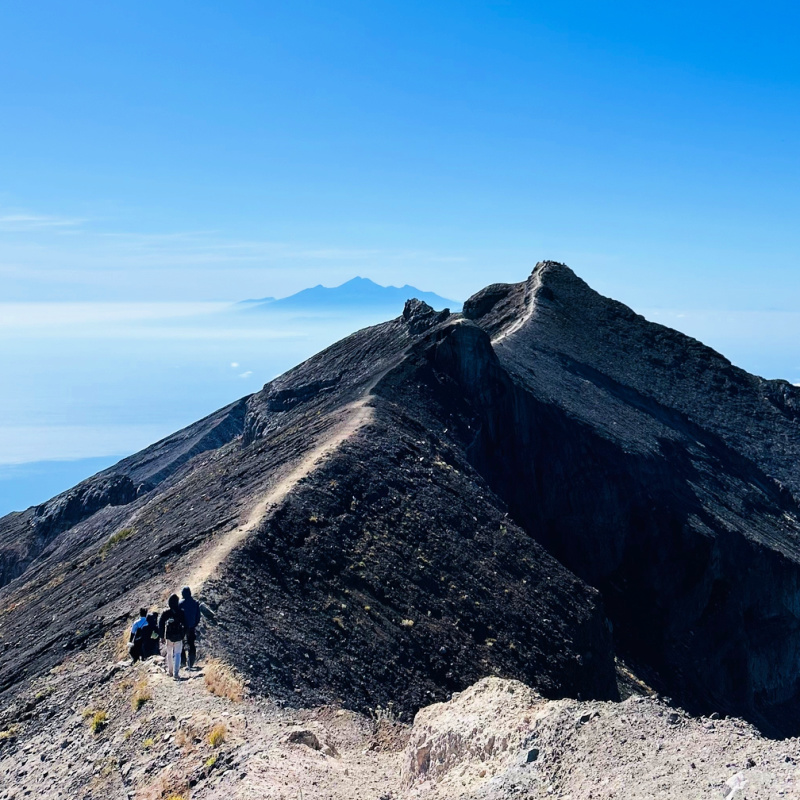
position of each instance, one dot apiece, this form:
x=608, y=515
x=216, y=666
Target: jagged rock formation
x=446, y=496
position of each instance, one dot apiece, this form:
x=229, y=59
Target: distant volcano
x=355, y=294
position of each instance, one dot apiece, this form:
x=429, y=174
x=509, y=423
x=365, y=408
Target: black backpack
x=175, y=630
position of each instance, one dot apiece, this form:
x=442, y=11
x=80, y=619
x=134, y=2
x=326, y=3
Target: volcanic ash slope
x=527, y=489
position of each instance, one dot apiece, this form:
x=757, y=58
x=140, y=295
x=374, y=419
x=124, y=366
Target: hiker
x=150, y=637
x=191, y=614
x=192, y=609
x=137, y=636
x=172, y=629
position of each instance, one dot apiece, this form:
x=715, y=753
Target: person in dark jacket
x=191, y=613
x=136, y=640
x=151, y=637
x=192, y=609
x=172, y=629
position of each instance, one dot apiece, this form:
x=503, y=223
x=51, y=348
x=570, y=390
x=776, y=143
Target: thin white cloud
x=49, y=257
x=37, y=316
x=246, y=374
x=196, y=249
x=27, y=222
x=234, y=364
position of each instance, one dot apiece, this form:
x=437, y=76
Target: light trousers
x=173, y=658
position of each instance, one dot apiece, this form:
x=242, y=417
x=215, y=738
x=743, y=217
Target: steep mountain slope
x=662, y=475
x=446, y=496
x=417, y=627
x=24, y=535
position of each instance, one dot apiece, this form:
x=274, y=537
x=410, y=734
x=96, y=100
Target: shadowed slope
x=662, y=475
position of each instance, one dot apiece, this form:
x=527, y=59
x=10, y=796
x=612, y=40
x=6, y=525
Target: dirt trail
x=530, y=302
x=357, y=415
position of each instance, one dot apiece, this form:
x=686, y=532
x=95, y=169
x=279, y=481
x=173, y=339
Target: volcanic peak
x=446, y=496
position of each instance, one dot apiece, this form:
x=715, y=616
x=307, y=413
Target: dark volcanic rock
x=664, y=476
x=74, y=506
x=526, y=469
x=403, y=584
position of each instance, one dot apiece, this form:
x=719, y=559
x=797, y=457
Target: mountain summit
x=537, y=487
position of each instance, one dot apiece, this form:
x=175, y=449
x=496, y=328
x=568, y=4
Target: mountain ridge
x=541, y=484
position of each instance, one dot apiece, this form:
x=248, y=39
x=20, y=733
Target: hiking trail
x=357, y=415
x=530, y=303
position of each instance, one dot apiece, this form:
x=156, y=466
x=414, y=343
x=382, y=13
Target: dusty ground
x=498, y=739
x=167, y=748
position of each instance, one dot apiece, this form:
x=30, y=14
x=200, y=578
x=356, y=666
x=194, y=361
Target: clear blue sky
x=212, y=151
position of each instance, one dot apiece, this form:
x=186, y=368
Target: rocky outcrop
x=499, y=739
x=74, y=506
x=476, y=735
x=32, y=531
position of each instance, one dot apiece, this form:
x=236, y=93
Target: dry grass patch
x=98, y=721
x=12, y=607
x=115, y=539
x=121, y=651
x=216, y=736
x=171, y=784
x=141, y=694
x=9, y=733
x=221, y=681
x=189, y=735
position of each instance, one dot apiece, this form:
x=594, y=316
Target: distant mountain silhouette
x=355, y=293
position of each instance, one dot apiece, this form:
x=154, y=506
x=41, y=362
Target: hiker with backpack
x=136, y=640
x=172, y=629
x=150, y=637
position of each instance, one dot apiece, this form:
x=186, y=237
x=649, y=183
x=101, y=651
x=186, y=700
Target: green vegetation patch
x=115, y=539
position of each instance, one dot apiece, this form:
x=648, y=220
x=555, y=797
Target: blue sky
x=157, y=156
x=214, y=151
